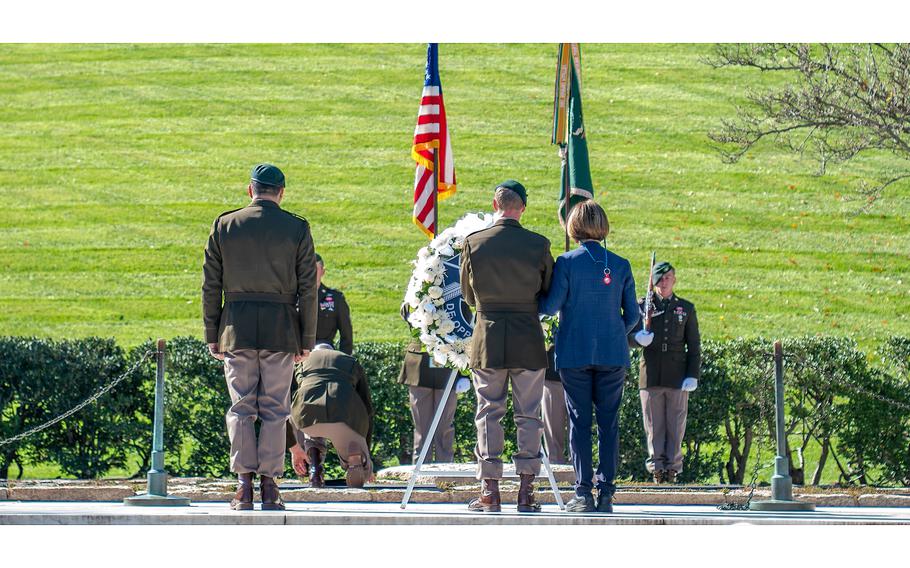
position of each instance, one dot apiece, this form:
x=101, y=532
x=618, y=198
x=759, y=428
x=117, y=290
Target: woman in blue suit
x=594, y=292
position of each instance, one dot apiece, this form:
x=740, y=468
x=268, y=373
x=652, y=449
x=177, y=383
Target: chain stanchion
x=157, y=496
x=98, y=394
x=781, y=483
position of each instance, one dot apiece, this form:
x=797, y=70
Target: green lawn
x=115, y=159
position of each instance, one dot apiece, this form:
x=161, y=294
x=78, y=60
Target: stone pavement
x=437, y=487
x=353, y=513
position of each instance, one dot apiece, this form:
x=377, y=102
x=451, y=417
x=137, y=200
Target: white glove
x=644, y=338
x=462, y=384
x=689, y=384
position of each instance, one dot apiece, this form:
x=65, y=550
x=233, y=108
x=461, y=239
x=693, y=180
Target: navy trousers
x=588, y=390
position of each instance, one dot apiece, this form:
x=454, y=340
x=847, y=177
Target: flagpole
x=565, y=206
x=436, y=189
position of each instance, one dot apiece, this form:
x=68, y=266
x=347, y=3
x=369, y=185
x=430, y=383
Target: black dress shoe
x=605, y=501
x=581, y=504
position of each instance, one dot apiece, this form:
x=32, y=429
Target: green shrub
x=51, y=377
x=834, y=398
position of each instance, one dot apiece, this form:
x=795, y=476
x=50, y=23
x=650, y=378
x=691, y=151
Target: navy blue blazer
x=594, y=318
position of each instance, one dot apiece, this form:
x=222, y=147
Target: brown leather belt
x=272, y=297
x=518, y=307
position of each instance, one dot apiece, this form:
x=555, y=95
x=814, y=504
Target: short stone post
x=781, y=483
x=157, y=475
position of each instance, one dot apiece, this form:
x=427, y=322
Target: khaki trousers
x=555, y=421
x=346, y=442
x=664, y=411
x=259, y=384
x=491, y=386
x=424, y=402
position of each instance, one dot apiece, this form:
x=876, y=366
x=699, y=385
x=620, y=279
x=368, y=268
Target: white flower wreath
x=426, y=296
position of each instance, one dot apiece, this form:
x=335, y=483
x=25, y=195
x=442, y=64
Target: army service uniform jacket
x=504, y=269
x=332, y=387
x=334, y=318
x=675, y=352
x=260, y=261
x=416, y=370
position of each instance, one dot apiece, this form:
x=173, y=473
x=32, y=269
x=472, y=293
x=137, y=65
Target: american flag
x=431, y=134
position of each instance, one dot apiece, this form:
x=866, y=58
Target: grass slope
x=115, y=159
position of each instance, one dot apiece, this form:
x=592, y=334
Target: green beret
x=517, y=188
x=267, y=174
x=660, y=269
x=319, y=258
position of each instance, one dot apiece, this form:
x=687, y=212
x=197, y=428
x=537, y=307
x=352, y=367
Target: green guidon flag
x=569, y=130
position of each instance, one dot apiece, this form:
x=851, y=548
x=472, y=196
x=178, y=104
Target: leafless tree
x=836, y=102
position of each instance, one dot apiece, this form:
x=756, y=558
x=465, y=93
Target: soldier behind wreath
x=426, y=385
x=334, y=315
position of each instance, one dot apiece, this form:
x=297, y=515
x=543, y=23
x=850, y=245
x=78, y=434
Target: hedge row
x=850, y=404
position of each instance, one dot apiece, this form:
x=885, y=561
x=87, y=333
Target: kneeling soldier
x=670, y=369
x=332, y=402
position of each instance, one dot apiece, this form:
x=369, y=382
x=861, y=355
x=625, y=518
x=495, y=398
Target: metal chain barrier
x=763, y=413
x=797, y=362
x=98, y=394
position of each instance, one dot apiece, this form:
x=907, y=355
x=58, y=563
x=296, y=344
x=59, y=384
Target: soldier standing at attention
x=260, y=259
x=334, y=315
x=670, y=369
x=504, y=269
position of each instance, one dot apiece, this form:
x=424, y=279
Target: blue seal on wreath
x=455, y=306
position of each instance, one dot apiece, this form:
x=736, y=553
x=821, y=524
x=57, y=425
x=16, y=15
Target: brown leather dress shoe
x=660, y=476
x=526, y=502
x=317, y=471
x=271, y=498
x=243, y=499
x=670, y=476
x=489, y=500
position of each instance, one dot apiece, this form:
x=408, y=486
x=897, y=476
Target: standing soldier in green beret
x=670, y=369
x=260, y=259
x=504, y=269
x=334, y=314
